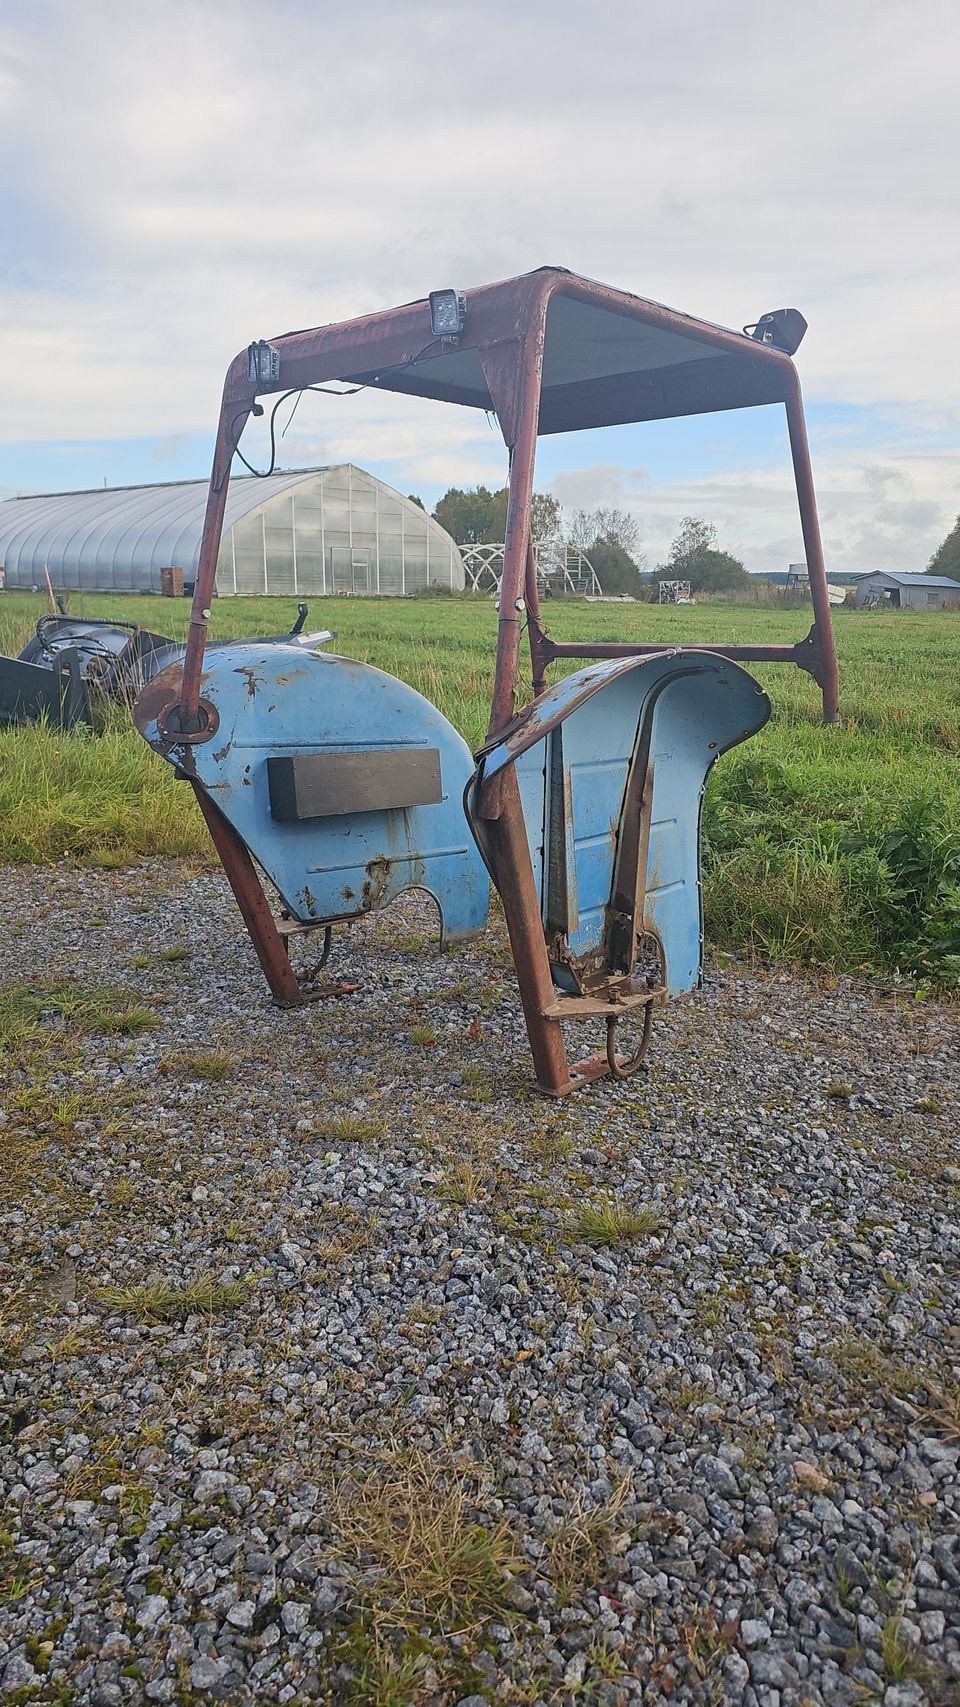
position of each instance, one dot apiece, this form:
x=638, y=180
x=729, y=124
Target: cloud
x=170, y=447
x=871, y=516
x=603, y=484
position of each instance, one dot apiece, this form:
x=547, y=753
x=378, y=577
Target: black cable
x=400, y=367
x=298, y=391
x=295, y=391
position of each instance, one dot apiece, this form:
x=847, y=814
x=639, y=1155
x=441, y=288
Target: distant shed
x=906, y=591
x=301, y=531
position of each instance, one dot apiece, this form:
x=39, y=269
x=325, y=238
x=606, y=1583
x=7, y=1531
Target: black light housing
x=447, y=313
x=263, y=363
x=782, y=327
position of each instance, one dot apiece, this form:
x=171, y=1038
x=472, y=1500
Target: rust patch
x=221, y=753
x=347, y=893
x=378, y=876
x=248, y=671
x=164, y=690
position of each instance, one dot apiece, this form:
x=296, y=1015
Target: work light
x=783, y=328
x=447, y=313
x=263, y=363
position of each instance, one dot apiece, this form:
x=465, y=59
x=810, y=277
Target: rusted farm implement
x=345, y=787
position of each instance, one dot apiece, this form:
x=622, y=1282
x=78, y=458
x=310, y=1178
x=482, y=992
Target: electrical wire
x=293, y=411
x=298, y=391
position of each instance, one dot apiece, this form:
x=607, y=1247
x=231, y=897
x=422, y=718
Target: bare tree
x=616, y=527
x=588, y=528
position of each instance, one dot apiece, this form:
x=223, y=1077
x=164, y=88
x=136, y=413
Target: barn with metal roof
x=906, y=590
x=302, y=531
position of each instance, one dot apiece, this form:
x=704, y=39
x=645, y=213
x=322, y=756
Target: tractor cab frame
x=584, y=804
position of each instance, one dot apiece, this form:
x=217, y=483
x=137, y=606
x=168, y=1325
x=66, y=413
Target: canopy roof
x=608, y=356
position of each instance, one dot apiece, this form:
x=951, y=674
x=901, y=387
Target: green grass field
x=840, y=847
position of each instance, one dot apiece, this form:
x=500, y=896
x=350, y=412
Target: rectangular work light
x=263, y=363
x=447, y=313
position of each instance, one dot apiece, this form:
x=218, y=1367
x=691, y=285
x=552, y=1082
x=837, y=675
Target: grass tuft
x=201, y=1063
x=162, y=1301
x=414, y=1522
x=942, y=1414
x=33, y=1010
x=605, y=1222
x=465, y=1183
x=348, y=1129
x=899, y=1655
x=581, y=1549
x=706, y=1642
x=865, y=1366
x=424, y=1036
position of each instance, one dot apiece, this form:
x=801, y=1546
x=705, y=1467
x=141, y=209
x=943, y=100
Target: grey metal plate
x=330, y=785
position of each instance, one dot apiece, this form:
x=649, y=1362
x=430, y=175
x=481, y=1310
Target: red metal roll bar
x=547, y=352
x=497, y=363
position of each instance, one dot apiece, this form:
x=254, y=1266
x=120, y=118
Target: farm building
x=906, y=591
x=303, y=531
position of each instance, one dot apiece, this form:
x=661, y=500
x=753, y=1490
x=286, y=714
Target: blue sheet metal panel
x=558, y=702
x=690, y=707
x=271, y=703
x=696, y=718
x=598, y=743
x=531, y=778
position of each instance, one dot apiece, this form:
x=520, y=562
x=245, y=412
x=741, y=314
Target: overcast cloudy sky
x=179, y=179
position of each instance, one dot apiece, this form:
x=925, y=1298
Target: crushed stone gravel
x=706, y=1437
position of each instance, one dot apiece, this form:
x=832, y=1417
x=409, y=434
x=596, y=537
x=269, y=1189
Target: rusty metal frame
x=506, y=326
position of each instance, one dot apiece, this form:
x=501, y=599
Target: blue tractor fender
x=345, y=784
x=616, y=756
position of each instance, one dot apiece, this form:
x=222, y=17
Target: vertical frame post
x=827, y=673
x=509, y=843
x=228, y=431
x=252, y=902
x=522, y=443
x=509, y=851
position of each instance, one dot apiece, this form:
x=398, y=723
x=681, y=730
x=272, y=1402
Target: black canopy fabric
x=608, y=357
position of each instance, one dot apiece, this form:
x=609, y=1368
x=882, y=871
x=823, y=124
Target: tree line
x=609, y=537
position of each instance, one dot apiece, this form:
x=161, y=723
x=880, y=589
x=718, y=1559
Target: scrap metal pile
x=72, y=664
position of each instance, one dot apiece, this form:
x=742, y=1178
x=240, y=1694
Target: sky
x=179, y=180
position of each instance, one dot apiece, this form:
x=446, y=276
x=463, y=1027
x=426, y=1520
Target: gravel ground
x=340, y=1367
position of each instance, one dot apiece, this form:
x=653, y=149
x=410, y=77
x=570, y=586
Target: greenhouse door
x=351, y=569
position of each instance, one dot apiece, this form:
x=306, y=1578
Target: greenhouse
x=299, y=532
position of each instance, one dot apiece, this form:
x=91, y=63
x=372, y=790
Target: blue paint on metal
x=672, y=714
x=683, y=709
x=271, y=703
